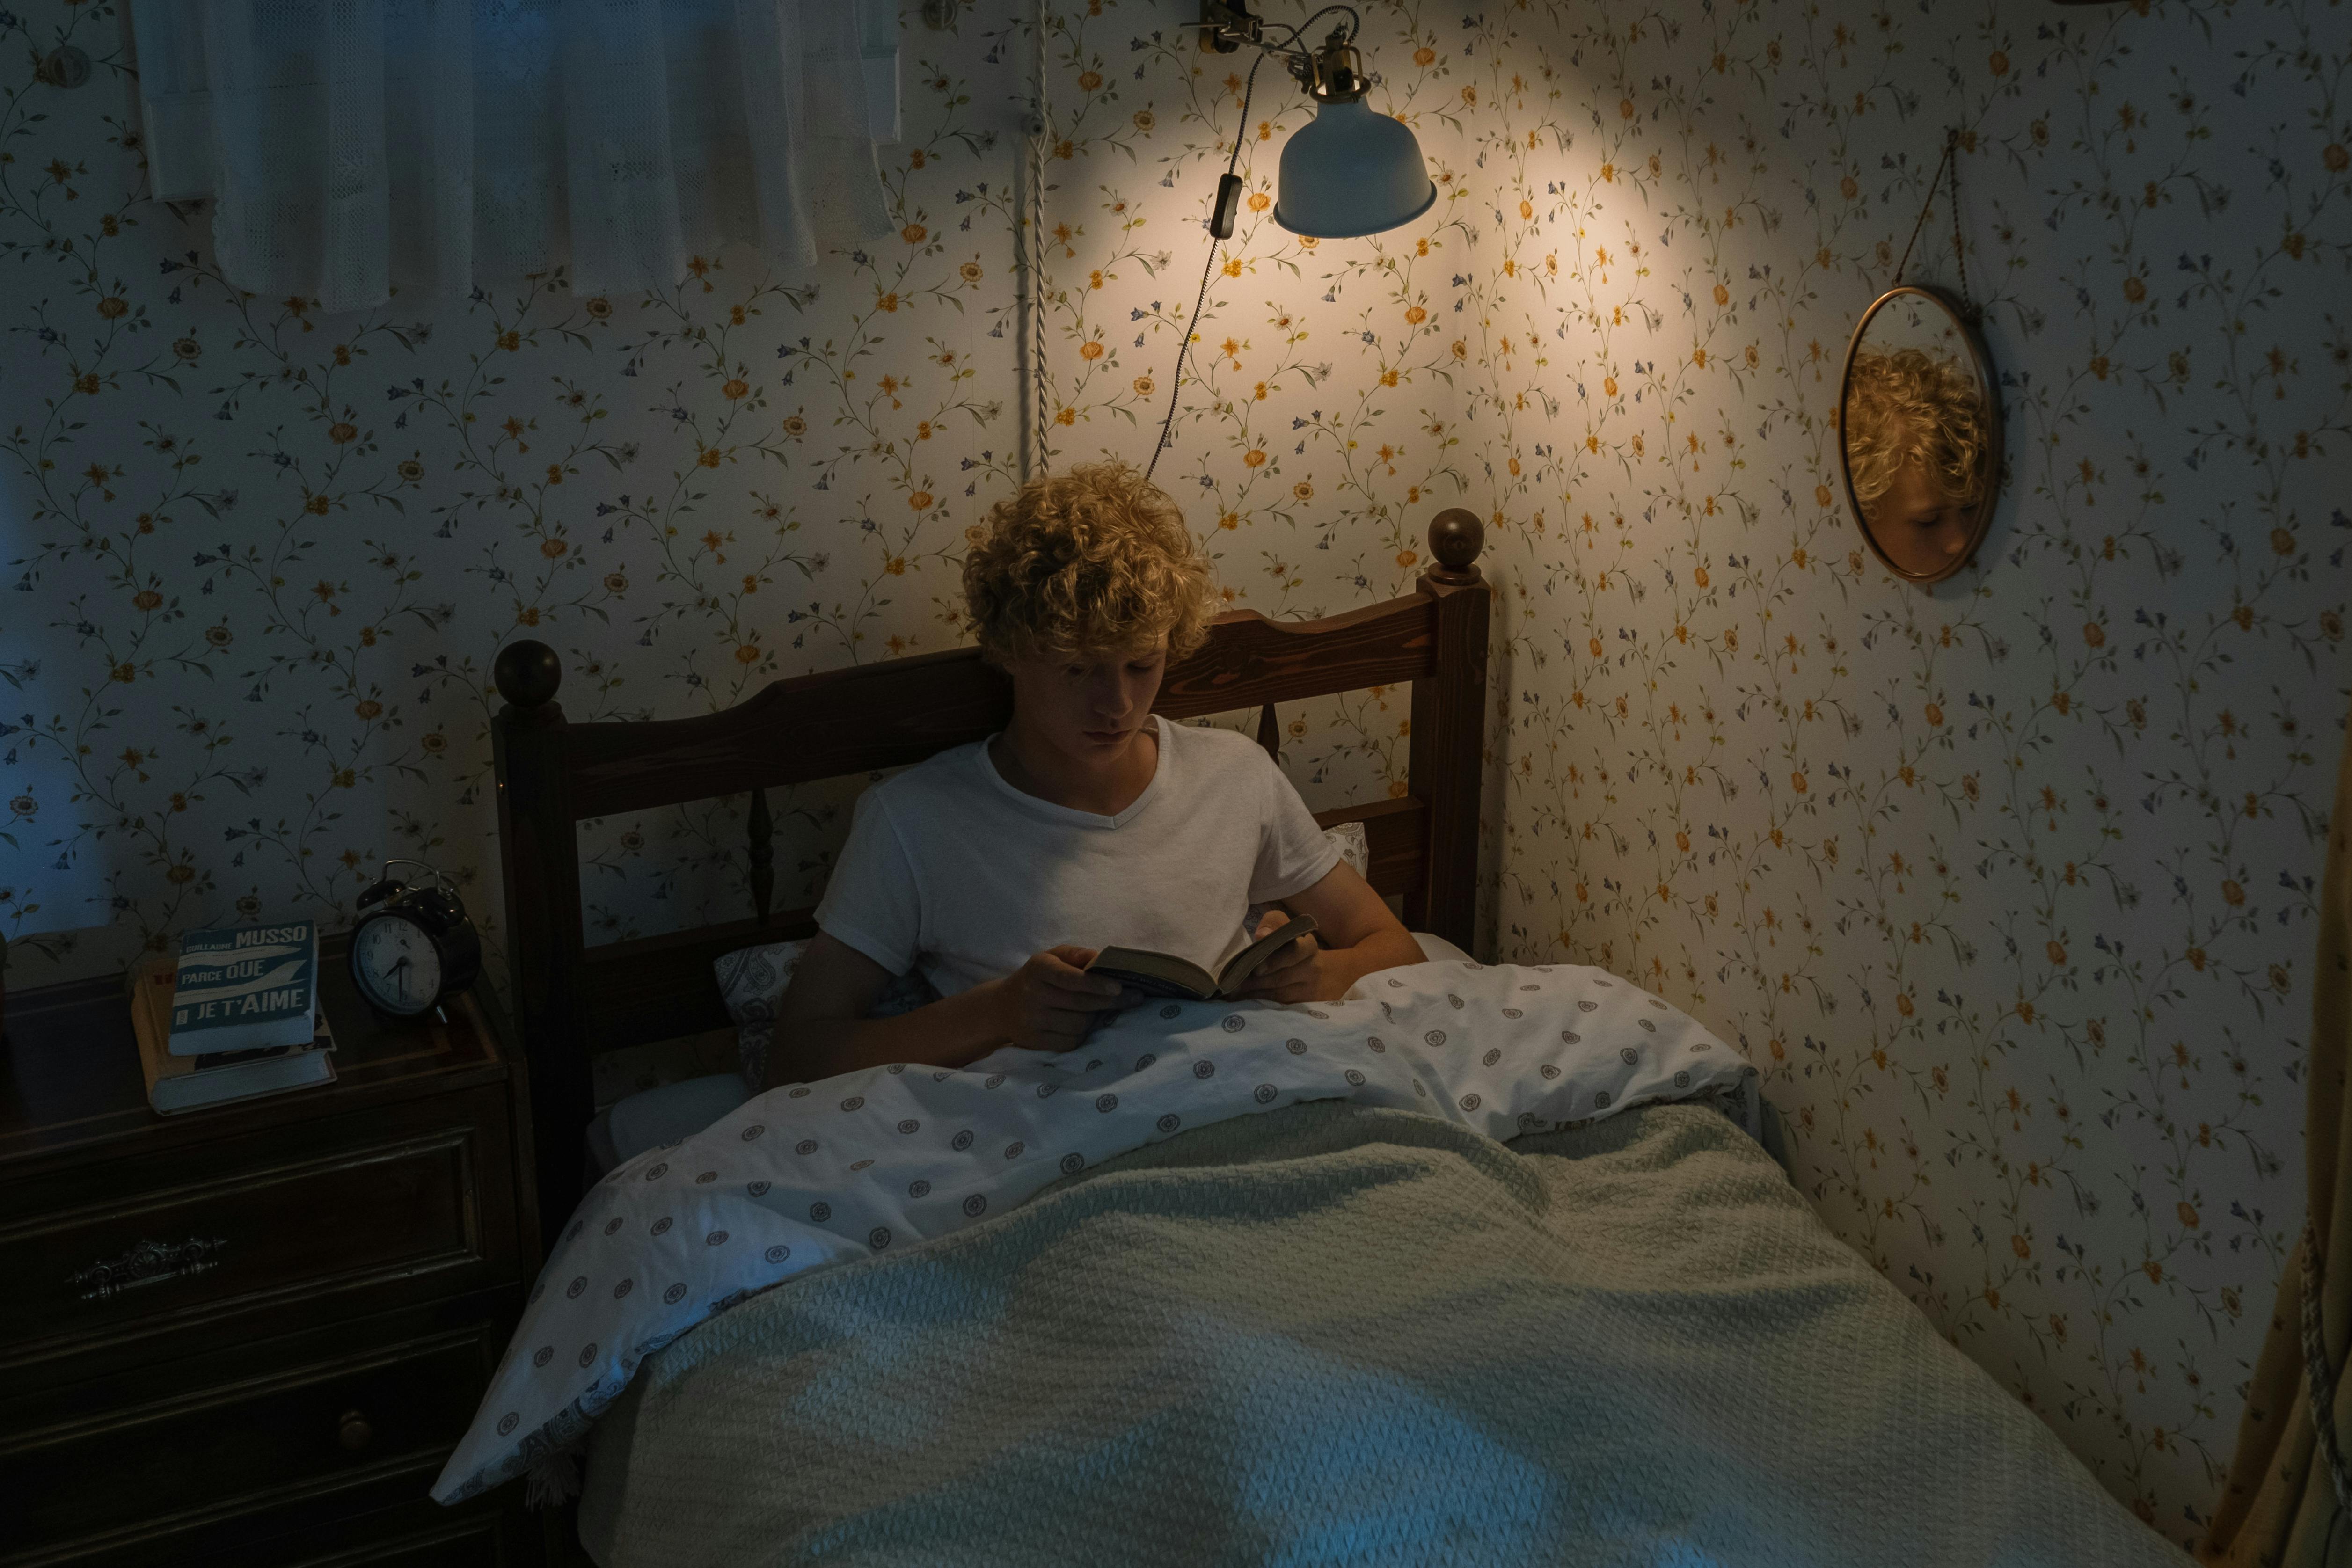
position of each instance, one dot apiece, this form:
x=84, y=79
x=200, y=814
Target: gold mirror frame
x=1981, y=363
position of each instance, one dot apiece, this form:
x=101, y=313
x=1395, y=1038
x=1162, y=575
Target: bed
x=1481, y=1263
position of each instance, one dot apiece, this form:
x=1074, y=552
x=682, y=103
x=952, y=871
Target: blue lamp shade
x=1348, y=172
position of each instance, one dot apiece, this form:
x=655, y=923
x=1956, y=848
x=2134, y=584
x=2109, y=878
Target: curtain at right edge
x=2280, y=1508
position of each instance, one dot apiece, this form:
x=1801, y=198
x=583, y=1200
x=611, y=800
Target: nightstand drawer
x=364, y=1415
x=405, y=1204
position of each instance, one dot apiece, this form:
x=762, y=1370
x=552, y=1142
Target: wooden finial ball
x=1456, y=538
x=527, y=673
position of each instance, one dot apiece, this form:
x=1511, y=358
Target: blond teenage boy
x=1000, y=868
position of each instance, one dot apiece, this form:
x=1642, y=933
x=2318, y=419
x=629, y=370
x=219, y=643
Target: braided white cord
x=1036, y=222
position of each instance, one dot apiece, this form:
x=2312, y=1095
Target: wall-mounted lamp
x=1347, y=173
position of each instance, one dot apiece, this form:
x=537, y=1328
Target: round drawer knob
x=353, y=1431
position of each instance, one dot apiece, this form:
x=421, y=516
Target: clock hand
x=396, y=970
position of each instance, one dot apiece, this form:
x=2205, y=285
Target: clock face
x=396, y=964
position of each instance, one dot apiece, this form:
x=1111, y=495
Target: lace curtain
x=353, y=146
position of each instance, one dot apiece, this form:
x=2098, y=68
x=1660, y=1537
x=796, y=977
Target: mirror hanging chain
x=1950, y=159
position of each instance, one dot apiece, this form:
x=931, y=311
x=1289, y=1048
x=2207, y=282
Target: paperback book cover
x=245, y=989
x=176, y=1084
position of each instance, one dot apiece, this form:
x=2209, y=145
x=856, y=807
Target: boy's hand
x=1292, y=972
x=1051, y=1002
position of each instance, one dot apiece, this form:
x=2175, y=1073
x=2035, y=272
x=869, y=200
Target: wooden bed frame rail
x=573, y=1000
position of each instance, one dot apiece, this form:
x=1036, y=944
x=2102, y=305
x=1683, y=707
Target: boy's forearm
x=950, y=1032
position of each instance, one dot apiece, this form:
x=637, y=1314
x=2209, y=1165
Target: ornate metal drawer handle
x=148, y=1263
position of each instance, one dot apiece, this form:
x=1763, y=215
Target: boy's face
x=1087, y=707
x=1921, y=529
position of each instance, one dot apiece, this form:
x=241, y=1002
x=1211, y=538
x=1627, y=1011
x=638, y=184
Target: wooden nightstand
x=252, y=1334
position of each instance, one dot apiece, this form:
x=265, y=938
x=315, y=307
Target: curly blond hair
x=1911, y=406
x=1092, y=560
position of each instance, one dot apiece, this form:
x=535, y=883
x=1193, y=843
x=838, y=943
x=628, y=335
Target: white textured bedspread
x=1342, y=1334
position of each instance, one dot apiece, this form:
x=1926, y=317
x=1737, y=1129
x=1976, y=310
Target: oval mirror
x=1919, y=434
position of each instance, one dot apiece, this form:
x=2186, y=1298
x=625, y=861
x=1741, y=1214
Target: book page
x=1154, y=973
x=1244, y=964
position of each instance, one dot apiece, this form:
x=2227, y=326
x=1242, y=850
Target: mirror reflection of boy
x=1915, y=434
x=1000, y=868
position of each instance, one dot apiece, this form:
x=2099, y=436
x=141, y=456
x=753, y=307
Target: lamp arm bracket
x=1328, y=74
x=1228, y=24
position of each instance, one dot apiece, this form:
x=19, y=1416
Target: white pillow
x=1349, y=837
x=1437, y=948
x=752, y=979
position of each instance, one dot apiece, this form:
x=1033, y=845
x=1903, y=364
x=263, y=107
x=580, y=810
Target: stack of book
x=234, y=1016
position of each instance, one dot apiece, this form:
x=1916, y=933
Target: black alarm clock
x=416, y=946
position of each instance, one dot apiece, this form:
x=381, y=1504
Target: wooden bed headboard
x=573, y=1000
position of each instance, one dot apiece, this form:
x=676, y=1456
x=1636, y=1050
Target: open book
x=1165, y=975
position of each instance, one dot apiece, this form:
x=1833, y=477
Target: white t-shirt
x=950, y=867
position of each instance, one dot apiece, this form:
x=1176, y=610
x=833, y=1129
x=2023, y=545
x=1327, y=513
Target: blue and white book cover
x=245, y=988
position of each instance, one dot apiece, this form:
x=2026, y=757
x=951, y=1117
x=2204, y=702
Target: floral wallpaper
x=2007, y=885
